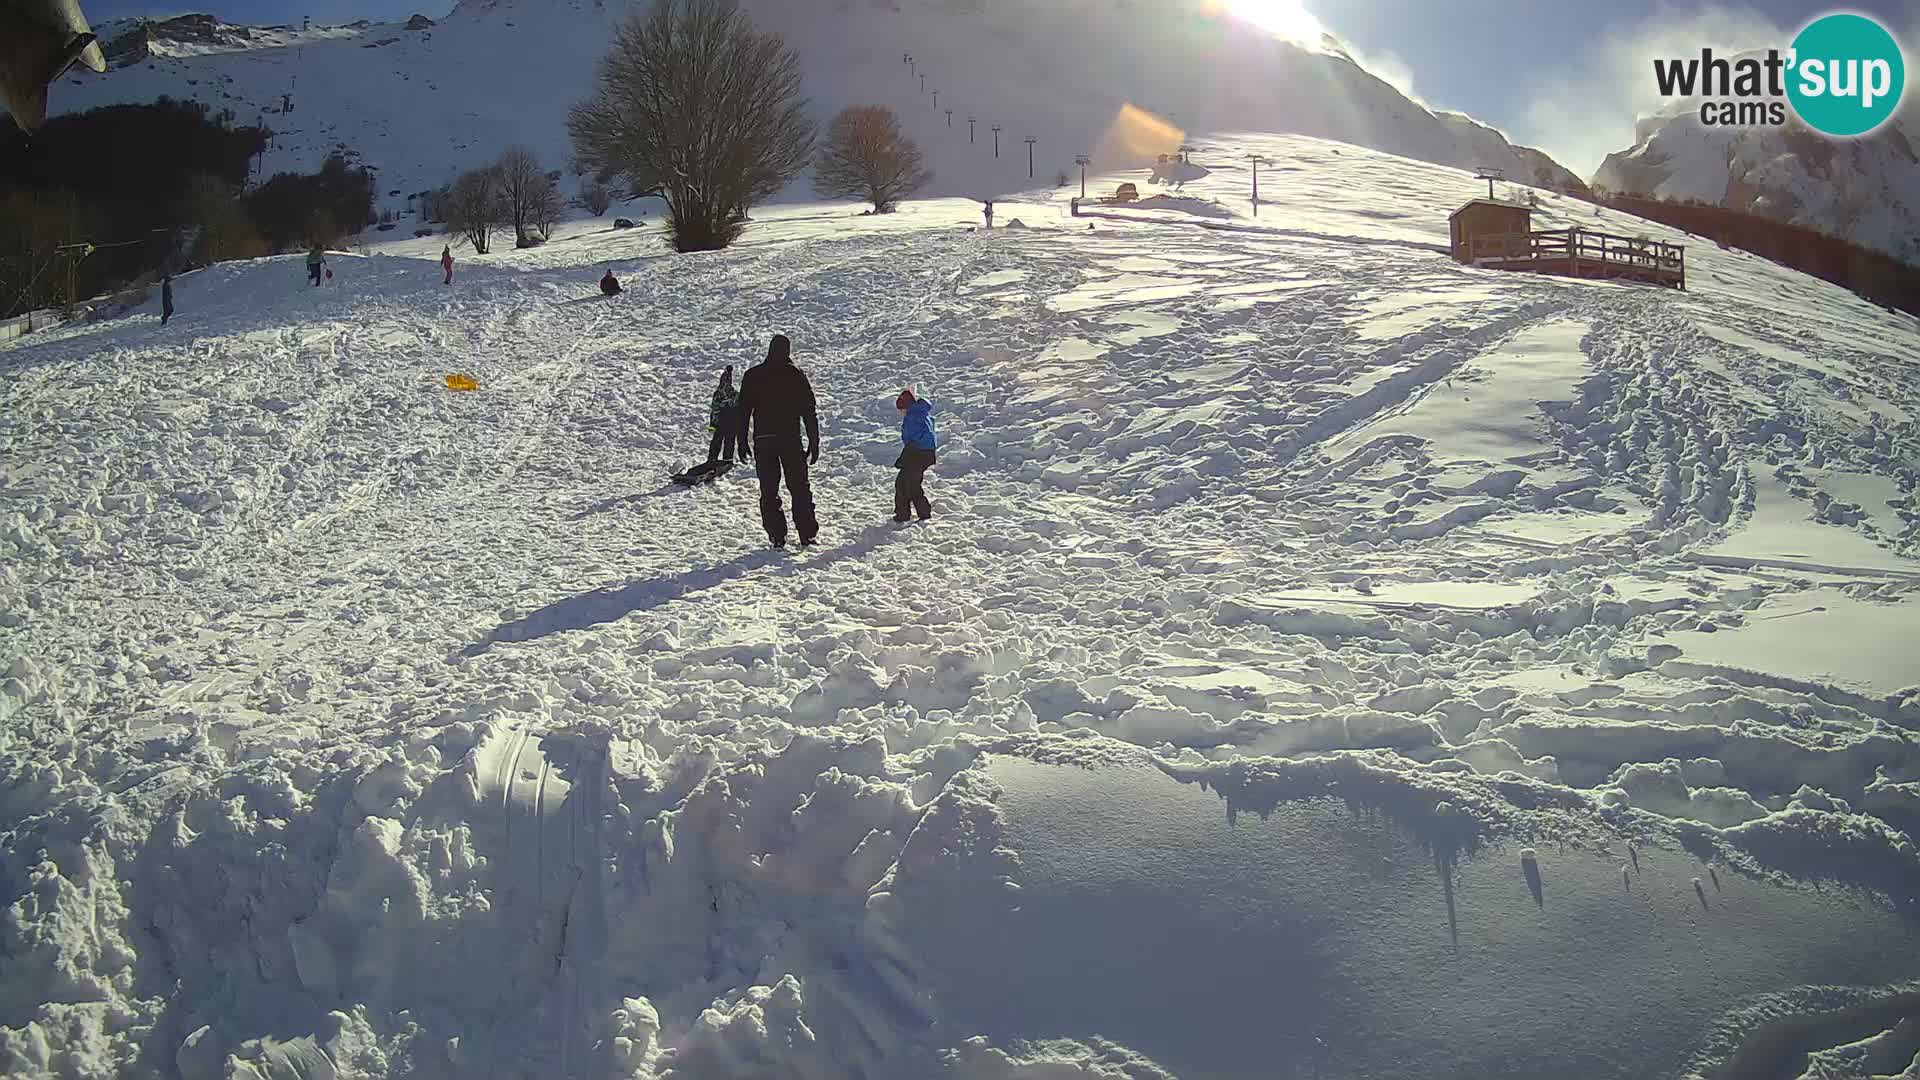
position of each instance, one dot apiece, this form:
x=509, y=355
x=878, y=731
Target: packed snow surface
x=1324, y=659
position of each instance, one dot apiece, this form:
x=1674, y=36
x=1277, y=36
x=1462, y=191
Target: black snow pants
x=909, y=487
x=772, y=458
x=726, y=435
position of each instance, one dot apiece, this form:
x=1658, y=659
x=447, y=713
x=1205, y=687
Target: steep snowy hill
x=1324, y=660
x=1120, y=81
x=1866, y=190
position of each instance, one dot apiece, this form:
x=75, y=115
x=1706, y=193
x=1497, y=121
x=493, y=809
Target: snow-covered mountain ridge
x=1866, y=190
x=1120, y=81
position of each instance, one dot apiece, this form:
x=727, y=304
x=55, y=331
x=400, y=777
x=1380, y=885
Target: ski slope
x=1324, y=660
x=1123, y=83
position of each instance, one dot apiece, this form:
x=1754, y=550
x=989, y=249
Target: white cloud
x=1581, y=113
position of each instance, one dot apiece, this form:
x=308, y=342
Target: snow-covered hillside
x=1866, y=190
x=1120, y=81
x=1324, y=660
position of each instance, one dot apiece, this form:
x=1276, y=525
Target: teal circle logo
x=1846, y=75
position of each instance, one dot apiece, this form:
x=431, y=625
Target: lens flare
x=1283, y=18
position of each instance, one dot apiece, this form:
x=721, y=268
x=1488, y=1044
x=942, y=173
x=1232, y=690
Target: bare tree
x=548, y=206
x=596, y=198
x=694, y=104
x=433, y=204
x=867, y=155
x=533, y=200
x=476, y=205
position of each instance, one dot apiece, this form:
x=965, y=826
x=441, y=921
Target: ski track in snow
x=330, y=693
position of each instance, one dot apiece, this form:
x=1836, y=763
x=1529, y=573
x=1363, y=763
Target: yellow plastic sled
x=462, y=382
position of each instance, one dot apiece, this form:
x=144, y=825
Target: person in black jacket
x=166, y=298
x=775, y=402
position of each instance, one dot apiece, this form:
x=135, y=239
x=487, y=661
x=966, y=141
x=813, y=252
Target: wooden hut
x=1499, y=235
x=1483, y=220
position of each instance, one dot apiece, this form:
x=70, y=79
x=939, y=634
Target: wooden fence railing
x=1583, y=248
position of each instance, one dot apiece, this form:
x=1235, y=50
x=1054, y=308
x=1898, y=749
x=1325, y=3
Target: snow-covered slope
x=1324, y=660
x=130, y=42
x=420, y=105
x=1866, y=190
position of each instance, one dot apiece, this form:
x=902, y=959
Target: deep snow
x=1326, y=660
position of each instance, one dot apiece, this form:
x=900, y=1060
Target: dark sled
x=704, y=473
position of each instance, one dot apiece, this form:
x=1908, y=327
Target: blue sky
x=1569, y=79
x=1459, y=49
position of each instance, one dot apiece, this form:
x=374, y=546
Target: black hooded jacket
x=776, y=399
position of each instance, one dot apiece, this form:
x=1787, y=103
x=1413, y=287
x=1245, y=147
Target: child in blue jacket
x=916, y=432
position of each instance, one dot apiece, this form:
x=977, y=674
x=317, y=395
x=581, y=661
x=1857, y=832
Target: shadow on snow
x=607, y=605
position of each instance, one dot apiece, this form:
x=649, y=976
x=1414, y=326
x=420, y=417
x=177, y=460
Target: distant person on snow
x=166, y=298
x=916, y=457
x=446, y=263
x=610, y=285
x=776, y=400
x=989, y=213
x=723, y=419
x=316, y=260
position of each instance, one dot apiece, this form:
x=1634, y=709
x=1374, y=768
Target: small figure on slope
x=610, y=285
x=316, y=260
x=776, y=401
x=446, y=263
x=916, y=457
x=989, y=213
x=723, y=419
x=166, y=298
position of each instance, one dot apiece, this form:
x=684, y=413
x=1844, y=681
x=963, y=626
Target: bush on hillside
x=117, y=177
x=712, y=155
x=223, y=228
x=294, y=211
x=597, y=198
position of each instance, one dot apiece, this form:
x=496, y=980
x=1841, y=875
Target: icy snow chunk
x=1662, y=788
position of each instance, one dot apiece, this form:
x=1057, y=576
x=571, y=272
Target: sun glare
x=1284, y=18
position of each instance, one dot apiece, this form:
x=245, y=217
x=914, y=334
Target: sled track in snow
x=546, y=879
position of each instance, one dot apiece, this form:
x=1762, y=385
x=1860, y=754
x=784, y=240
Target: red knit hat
x=904, y=401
